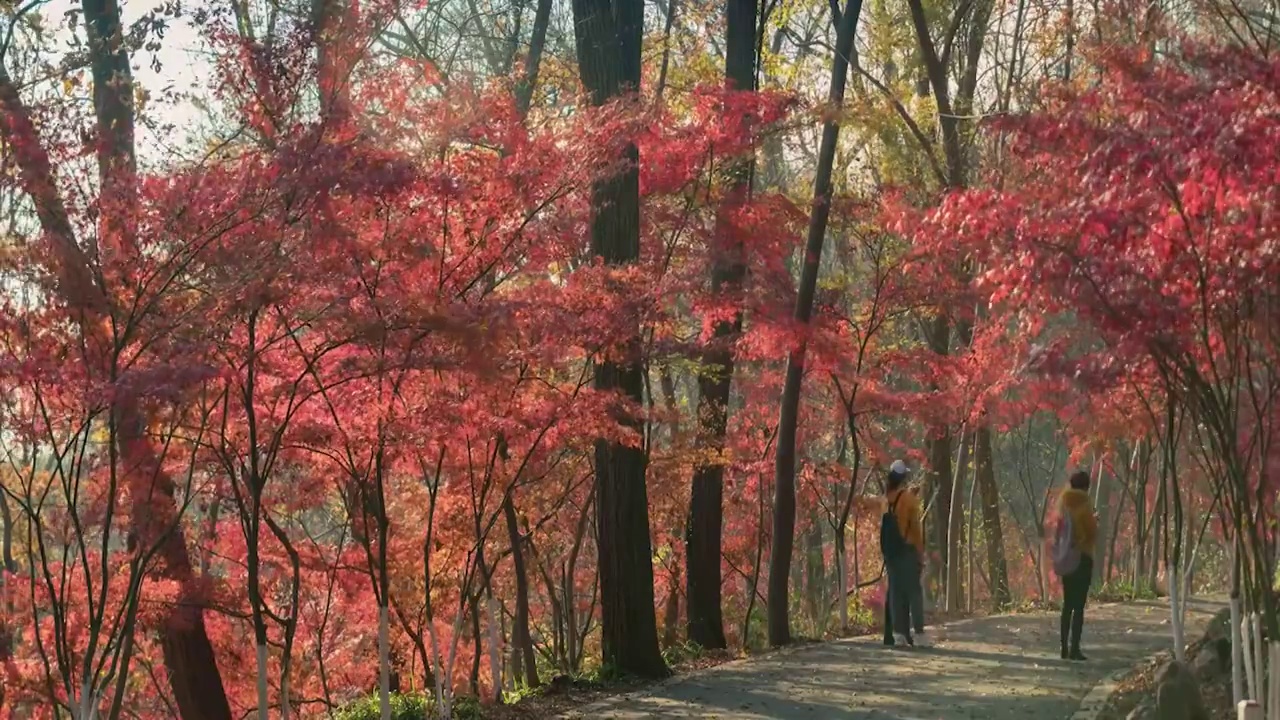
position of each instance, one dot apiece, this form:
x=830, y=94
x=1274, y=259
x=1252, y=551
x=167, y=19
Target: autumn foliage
x=293, y=413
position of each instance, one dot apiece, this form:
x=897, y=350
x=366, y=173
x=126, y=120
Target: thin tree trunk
x=608, y=38
x=970, y=586
x=672, y=8
x=1157, y=535
x=992, y=532
x=815, y=580
x=520, y=628
x=753, y=583
x=941, y=483
x=842, y=579
x=1102, y=506
x=495, y=642
x=671, y=611
x=784, y=504
x=1143, y=522
x=477, y=645
x=1115, y=534
x=538, y=41
x=955, y=528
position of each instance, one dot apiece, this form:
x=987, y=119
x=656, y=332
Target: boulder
x=1178, y=694
x=1205, y=663
x=1145, y=711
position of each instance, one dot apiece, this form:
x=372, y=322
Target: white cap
x=899, y=468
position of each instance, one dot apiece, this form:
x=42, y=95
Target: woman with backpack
x=902, y=543
x=1073, y=559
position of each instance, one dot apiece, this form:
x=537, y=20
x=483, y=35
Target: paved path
x=998, y=668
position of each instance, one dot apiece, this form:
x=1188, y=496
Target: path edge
x=1095, y=702
x=604, y=704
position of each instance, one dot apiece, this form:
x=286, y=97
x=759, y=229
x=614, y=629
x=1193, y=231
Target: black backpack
x=892, y=544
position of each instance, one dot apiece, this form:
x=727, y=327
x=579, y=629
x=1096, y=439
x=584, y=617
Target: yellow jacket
x=908, y=513
x=1083, y=521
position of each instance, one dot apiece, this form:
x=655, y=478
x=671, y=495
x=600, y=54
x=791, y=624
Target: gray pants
x=906, y=593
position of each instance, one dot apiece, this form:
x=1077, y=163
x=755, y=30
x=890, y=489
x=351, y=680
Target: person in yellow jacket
x=906, y=564
x=1075, y=585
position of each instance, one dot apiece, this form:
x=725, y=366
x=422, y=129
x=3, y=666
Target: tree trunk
x=1113, y=537
x=190, y=664
x=477, y=648
x=384, y=661
x=608, y=38
x=992, y=532
x=815, y=580
x=955, y=528
x=1102, y=507
x=949, y=118
x=1142, y=521
x=940, y=479
x=189, y=660
x=7, y=563
x=671, y=611
x=970, y=516
x=1154, y=555
x=784, y=503
x=520, y=629
x=532, y=63
x=706, y=512
x=842, y=580
x=495, y=642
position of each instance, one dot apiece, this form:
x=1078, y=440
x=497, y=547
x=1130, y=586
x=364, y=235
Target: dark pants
x=1075, y=592
x=906, y=593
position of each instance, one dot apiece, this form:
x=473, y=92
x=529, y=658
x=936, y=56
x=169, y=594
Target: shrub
x=408, y=706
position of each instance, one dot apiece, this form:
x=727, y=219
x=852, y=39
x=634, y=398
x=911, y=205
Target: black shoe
x=1065, y=654
x=1077, y=656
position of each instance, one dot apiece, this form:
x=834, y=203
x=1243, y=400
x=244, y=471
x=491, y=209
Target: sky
x=183, y=66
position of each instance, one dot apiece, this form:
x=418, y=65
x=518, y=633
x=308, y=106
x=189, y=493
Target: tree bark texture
x=992, y=532
x=190, y=664
x=706, y=512
x=608, y=38
x=520, y=630
x=784, y=498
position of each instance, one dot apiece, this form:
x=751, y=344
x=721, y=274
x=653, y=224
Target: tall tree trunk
x=706, y=512
x=939, y=335
x=532, y=63
x=190, y=664
x=993, y=534
x=784, y=502
x=608, y=38
x=520, y=630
